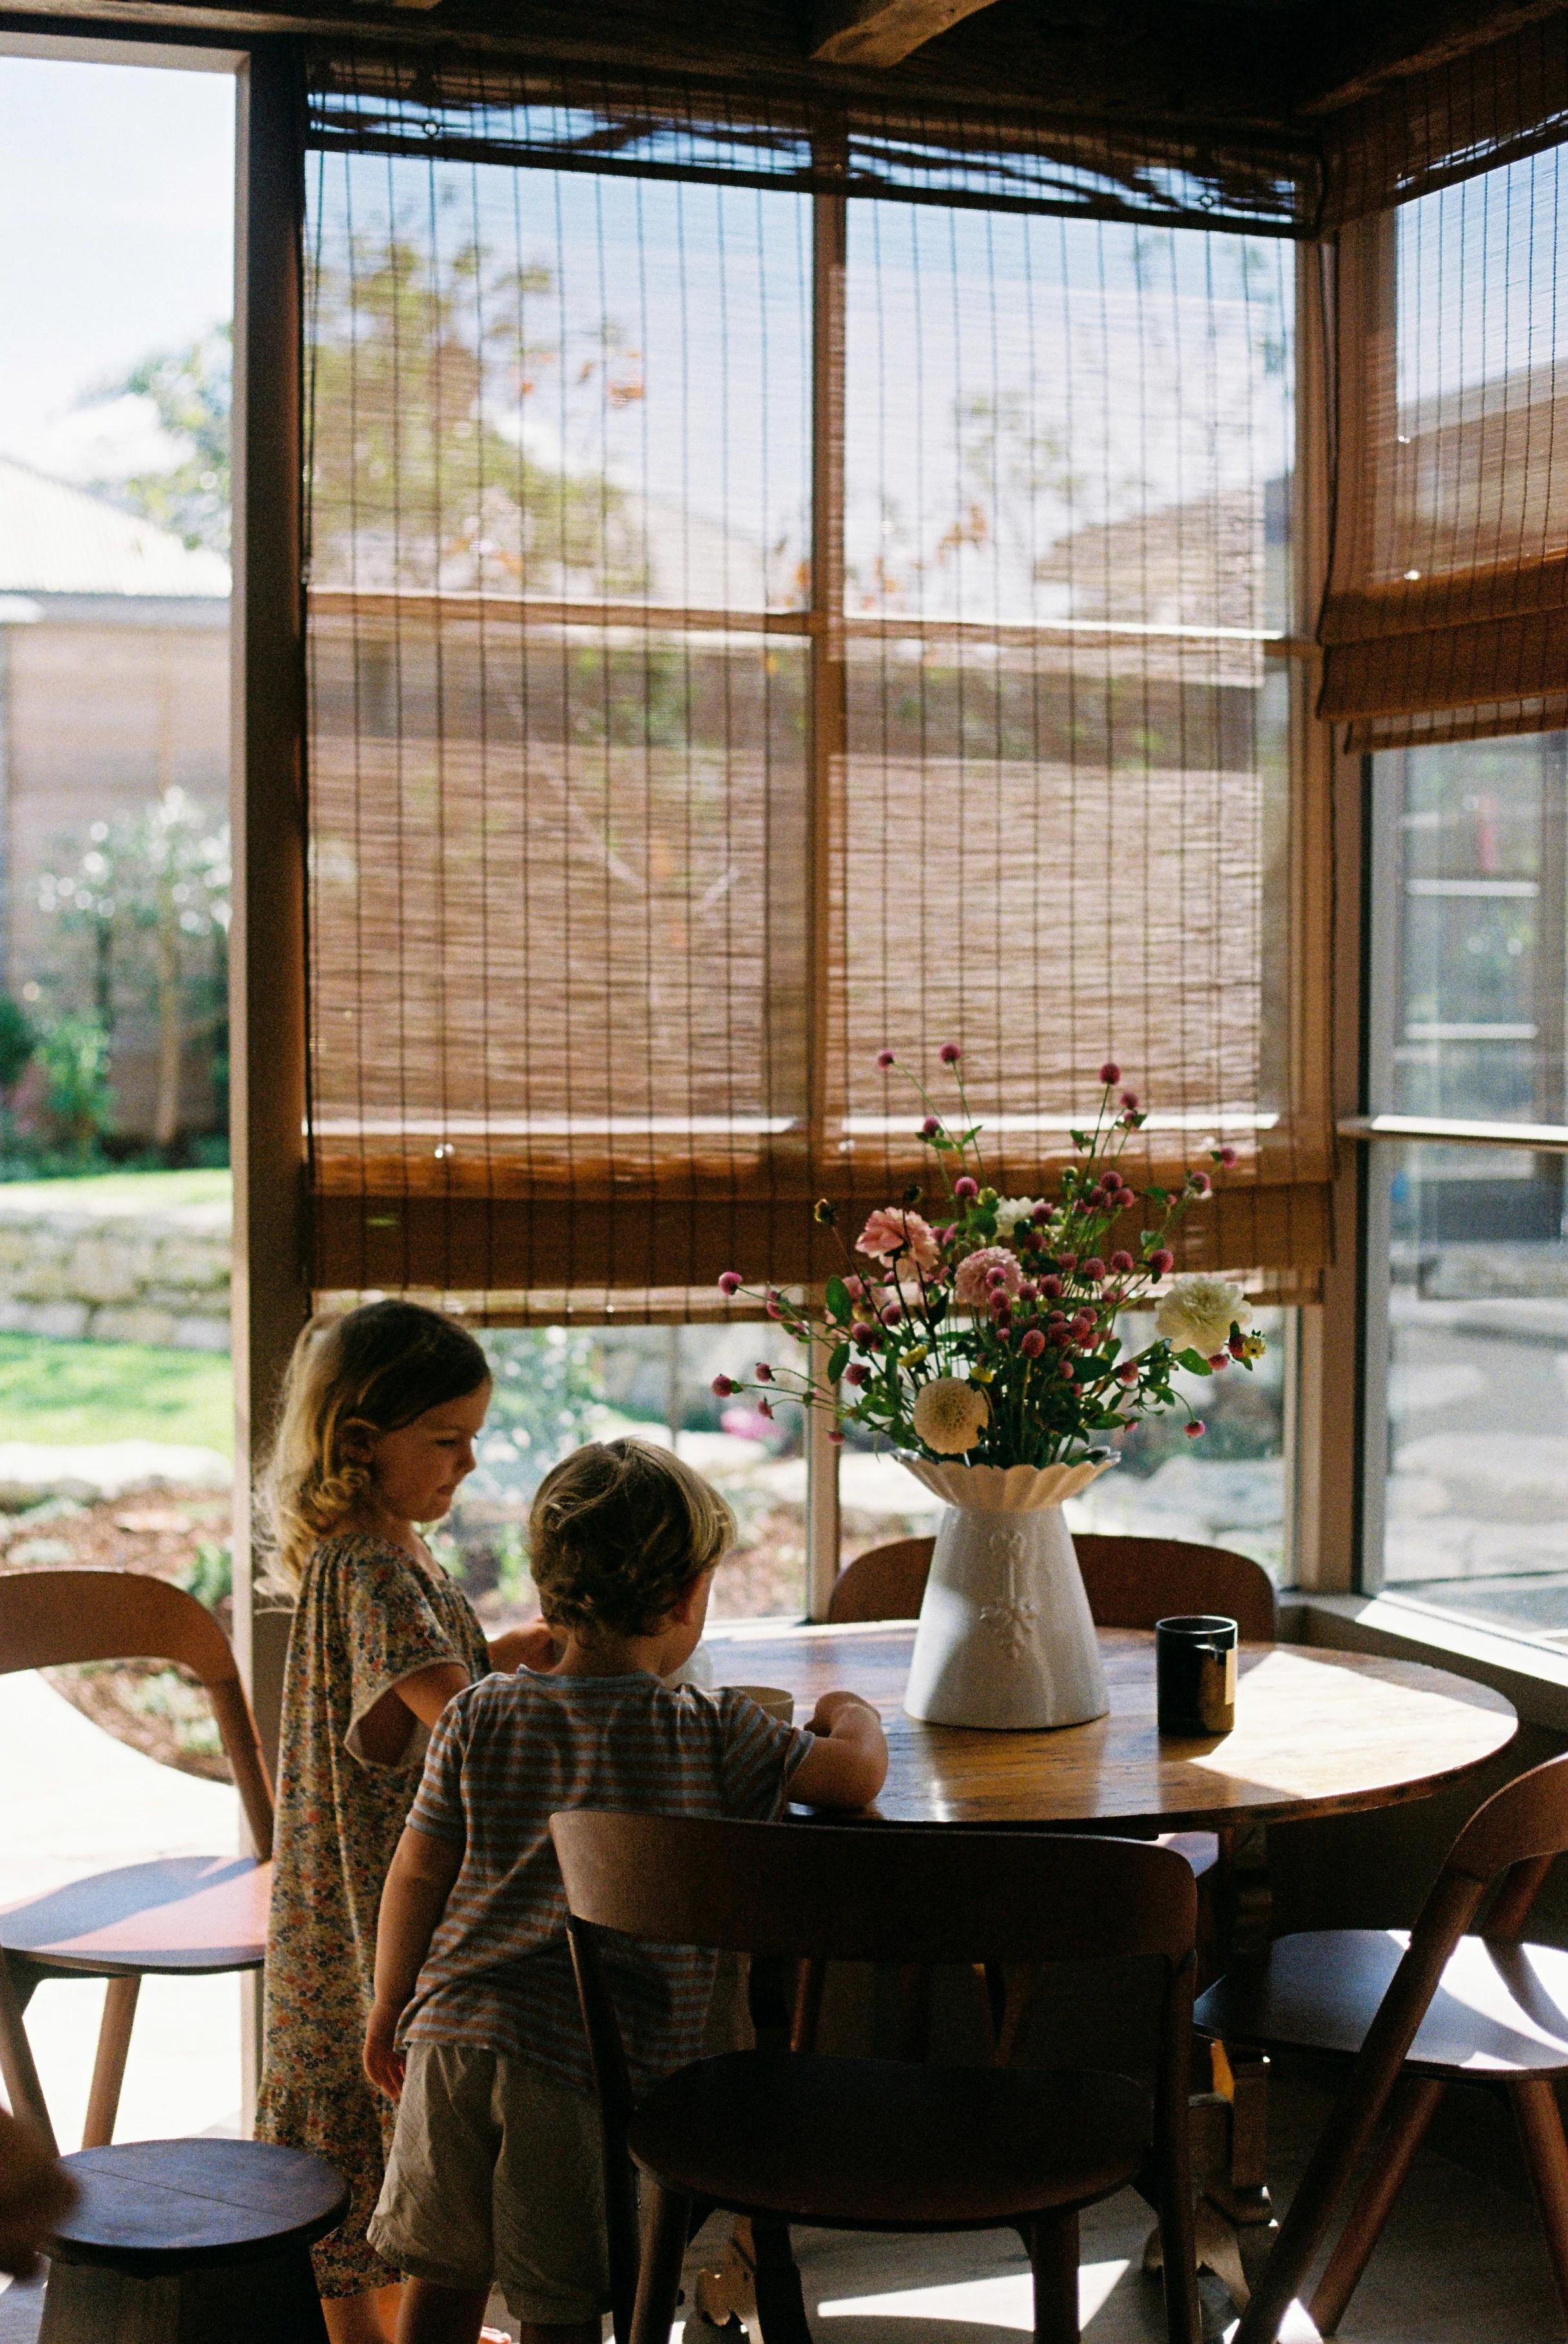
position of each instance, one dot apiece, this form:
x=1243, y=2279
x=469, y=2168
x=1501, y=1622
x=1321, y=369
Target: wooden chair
x=191, y=2242
x=177, y=1915
x=1411, y=2015
x=780, y=2136
x=1131, y=1582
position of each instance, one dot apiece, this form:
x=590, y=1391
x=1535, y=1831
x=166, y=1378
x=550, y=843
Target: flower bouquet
x=981, y=1340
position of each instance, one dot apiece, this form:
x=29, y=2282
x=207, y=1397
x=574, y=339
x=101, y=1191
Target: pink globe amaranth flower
x=1226, y=1156
x=1041, y=1213
x=1093, y=1270
x=865, y=1335
x=1129, y=1101
x=1029, y=1290
x=774, y=1306
x=965, y=1191
x=1050, y=1288
x=1057, y=1333
x=721, y=1386
x=1161, y=1261
x=854, y=1287
x=949, y=1054
x=764, y=1408
x=1236, y=1347
x=891, y=1312
x=1129, y=1120
x=858, y=1372
x=1123, y=1264
x=1069, y=1261
x=731, y=1282
x=1097, y=1198
x=975, y=1284
x=931, y=1127
x=885, y=1059
x=1196, y=1430
x=764, y=1374
x=1219, y=1360
x=1201, y=1181
x=1066, y=1372
x=1033, y=1344
x=892, y=1232
x=837, y=1438
x=1128, y=1372
x=1111, y=1073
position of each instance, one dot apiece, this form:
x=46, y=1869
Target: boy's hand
x=834, y=1705
x=384, y=2064
x=533, y=1647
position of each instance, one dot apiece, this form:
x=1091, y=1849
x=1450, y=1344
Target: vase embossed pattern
x=1005, y=1639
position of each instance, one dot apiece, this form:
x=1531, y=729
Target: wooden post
x=271, y=1294
x=822, y=1524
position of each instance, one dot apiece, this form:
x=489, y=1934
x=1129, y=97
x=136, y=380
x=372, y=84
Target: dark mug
x=1195, y=1673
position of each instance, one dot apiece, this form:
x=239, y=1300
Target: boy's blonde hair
x=373, y=1371
x=617, y=1535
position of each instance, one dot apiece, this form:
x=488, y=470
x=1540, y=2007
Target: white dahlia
x=1199, y=1312
x=1011, y=1211
x=950, y=1415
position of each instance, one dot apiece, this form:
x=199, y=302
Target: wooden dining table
x=1316, y=1733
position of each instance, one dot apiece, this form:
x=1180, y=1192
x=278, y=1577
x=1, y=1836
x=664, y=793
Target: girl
x=379, y=1413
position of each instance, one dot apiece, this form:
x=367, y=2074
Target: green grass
x=90, y=1393
x=154, y=1189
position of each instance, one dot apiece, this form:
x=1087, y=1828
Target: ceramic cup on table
x=773, y=1698
x=1195, y=1673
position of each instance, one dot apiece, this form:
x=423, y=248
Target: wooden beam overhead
x=881, y=32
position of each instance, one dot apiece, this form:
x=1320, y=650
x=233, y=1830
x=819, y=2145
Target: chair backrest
x=50, y=1619
x=881, y=1893
x=1131, y=1582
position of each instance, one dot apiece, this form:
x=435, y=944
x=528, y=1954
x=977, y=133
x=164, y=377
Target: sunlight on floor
x=1005, y=2302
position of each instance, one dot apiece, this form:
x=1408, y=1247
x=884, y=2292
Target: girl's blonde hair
x=617, y=1533
x=373, y=1369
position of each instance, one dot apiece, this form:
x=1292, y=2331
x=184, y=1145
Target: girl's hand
x=384, y=2064
x=533, y=1647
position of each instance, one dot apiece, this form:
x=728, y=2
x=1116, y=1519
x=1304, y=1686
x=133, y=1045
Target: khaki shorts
x=495, y=2176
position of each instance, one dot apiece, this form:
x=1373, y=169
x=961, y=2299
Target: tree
x=191, y=391
x=151, y=894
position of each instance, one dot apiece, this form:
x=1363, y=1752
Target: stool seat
x=175, y=1916
x=149, y=2205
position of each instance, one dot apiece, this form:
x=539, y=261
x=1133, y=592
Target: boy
x=496, y=2169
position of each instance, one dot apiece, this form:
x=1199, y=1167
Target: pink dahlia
x=894, y=1233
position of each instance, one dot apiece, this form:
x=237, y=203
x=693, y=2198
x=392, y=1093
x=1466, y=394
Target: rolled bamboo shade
x=750, y=628
x=1447, y=611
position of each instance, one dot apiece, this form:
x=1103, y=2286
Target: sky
x=116, y=238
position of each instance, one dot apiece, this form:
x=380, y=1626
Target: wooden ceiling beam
x=881, y=33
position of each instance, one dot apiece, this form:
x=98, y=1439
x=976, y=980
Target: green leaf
x=1194, y=1362
x=838, y=1298
x=838, y=1362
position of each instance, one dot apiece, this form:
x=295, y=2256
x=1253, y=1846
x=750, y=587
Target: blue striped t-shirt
x=510, y=1753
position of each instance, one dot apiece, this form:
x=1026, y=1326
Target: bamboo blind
x=1447, y=613
x=751, y=627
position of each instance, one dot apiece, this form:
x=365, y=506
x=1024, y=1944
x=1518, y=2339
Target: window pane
x=1477, y=1393
x=557, y=1387
x=1477, y=867
x=1472, y=895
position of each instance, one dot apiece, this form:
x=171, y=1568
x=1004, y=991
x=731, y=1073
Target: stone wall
x=116, y=1272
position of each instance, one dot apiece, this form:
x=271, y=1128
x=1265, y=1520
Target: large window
x=1469, y=1319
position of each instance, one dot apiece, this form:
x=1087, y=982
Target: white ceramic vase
x=1004, y=1637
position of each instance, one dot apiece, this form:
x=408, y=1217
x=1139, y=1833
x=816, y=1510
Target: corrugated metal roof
x=59, y=539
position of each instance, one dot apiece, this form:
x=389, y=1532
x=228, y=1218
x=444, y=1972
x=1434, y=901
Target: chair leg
x=663, y=2251
x=1410, y=2111
x=809, y=1984
x=1540, y=2122
x=109, y=2066
x=23, y=2088
x=1054, y=2261
x=781, y=2302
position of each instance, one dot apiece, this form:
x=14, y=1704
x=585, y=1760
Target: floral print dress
x=368, y=1616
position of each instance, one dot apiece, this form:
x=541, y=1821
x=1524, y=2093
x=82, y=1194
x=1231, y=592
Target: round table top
x=149, y=2205
x=1316, y=1733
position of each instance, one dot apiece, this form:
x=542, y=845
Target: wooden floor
x=1460, y=2263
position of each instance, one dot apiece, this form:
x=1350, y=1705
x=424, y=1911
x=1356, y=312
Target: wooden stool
x=191, y=2242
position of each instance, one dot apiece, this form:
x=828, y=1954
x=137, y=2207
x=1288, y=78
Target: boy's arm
x=847, y=1764
x=421, y=1880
